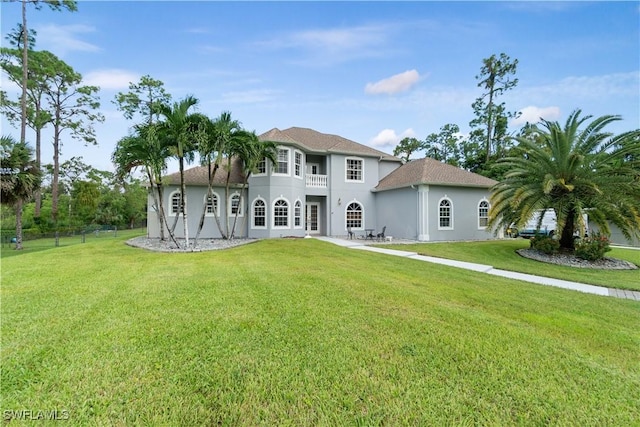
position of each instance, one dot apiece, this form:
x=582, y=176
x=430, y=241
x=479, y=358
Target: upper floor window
x=261, y=168
x=297, y=214
x=354, y=170
x=483, y=214
x=297, y=164
x=281, y=213
x=212, y=204
x=235, y=205
x=354, y=215
x=176, y=201
x=259, y=214
x=445, y=214
x=282, y=167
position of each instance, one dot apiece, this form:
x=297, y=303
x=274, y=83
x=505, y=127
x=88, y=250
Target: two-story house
x=325, y=184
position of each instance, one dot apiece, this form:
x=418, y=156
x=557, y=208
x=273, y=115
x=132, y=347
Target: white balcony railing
x=317, y=181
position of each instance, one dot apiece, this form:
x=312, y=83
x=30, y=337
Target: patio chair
x=380, y=236
x=350, y=233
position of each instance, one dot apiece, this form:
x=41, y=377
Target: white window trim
x=266, y=169
x=216, y=208
x=346, y=170
x=301, y=214
x=253, y=213
x=451, y=226
x=240, y=207
x=170, y=206
x=274, y=171
x=273, y=214
x=301, y=174
x=484, y=199
x=345, y=215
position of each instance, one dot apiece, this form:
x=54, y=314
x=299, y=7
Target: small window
x=483, y=214
x=281, y=214
x=212, y=204
x=297, y=164
x=445, y=214
x=261, y=168
x=259, y=214
x=235, y=205
x=354, y=215
x=175, y=203
x=282, y=167
x=354, y=170
x=297, y=214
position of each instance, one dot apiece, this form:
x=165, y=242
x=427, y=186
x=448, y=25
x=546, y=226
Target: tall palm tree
x=251, y=152
x=177, y=131
x=143, y=149
x=20, y=178
x=572, y=171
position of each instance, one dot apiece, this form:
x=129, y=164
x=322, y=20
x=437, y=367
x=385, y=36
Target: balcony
x=316, y=181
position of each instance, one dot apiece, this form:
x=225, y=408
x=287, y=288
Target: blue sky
x=373, y=72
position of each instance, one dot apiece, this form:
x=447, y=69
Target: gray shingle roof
x=315, y=141
x=434, y=172
x=199, y=175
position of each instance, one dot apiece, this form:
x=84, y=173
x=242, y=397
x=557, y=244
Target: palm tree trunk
x=566, y=239
x=183, y=200
x=164, y=216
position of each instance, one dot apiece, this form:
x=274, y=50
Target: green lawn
x=502, y=254
x=301, y=332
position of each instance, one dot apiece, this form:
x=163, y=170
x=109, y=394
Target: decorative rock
x=167, y=245
x=571, y=260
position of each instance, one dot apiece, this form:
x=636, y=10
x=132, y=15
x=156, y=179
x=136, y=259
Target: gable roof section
x=433, y=172
x=199, y=176
x=315, y=141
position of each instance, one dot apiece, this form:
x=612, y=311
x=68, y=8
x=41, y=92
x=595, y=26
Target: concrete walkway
x=487, y=269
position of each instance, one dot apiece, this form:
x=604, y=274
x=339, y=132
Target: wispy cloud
x=388, y=138
x=110, y=78
x=397, y=83
x=332, y=45
x=249, y=96
x=588, y=87
x=62, y=39
x=533, y=114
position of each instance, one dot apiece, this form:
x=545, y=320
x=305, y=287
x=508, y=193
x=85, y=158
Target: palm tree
x=177, y=131
x=20, y=178
x=572, y=171
x=143, y=149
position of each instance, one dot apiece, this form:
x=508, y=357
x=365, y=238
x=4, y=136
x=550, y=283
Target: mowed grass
x=502, y=254
x=301, y=332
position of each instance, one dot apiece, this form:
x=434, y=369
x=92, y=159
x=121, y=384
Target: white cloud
x=533, y=114
x=389, y=138
x=61, y=39
x=395, y=84
x=110, y=79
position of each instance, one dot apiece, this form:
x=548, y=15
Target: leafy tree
x=143, y=98
x=490, y=125
x=407, y=147
x=444, y=146
x=572, y=171
x=20, y=178
x=73, y=108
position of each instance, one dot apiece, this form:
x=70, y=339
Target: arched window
x=235, y=205
x=354, y=216
x=259, y=214
x=212, y=204
x=483, y=214
x=175, y=202
x=281, y=214
x=297, y=214
x=445, y=214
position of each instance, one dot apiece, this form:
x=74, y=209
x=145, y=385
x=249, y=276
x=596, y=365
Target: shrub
x=545, y=244
x=593, y=248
